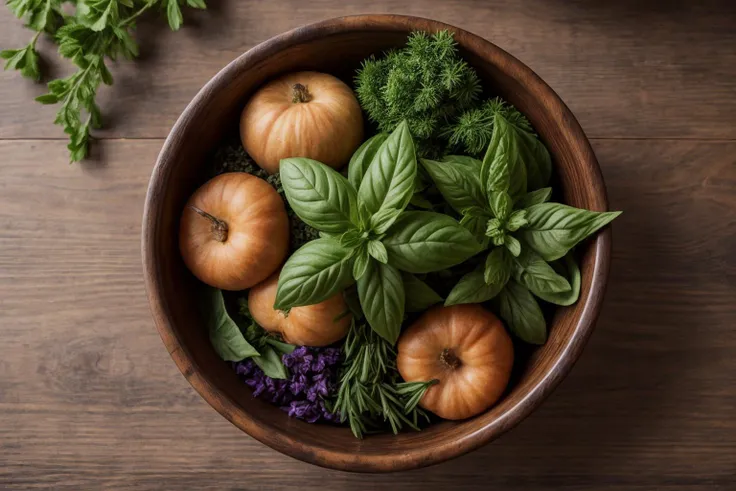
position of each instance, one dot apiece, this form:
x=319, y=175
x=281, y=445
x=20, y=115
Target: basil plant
x=367, y=236
x=503, y=201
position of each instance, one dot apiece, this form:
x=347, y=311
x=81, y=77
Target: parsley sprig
x=98, y=32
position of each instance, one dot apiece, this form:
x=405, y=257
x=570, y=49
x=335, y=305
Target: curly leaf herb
x=99, y=30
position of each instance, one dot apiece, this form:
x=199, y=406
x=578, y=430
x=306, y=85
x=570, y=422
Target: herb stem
x=133, y=17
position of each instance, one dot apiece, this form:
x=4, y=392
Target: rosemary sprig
x=370, y=393
x=99, y=30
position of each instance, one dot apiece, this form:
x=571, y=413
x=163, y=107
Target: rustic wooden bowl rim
x=414, y=457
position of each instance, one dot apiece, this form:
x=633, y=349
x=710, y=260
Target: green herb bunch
x=367, y=236
x=371, y=392
x=430, y=86
x=503, y=201
x=98, y=32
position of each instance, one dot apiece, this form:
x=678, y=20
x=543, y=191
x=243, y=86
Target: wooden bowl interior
x=174, y=291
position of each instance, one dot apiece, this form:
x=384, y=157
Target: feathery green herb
x=99, y=31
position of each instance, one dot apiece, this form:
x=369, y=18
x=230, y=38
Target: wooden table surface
x=89, y=398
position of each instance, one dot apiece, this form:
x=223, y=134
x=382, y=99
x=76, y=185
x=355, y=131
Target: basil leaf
x=501, y=204
x=498, y=267
x=502, y=168
x=381, y=293
x=319, y=195
x=534, y=198
x=351, y=239
x=382, y=221
x=225, y=335
x=280, y=346
x=361, y=263
x=471, y=164
x=554, y=229
x=522, y=313
x=389, y=180
x=362, y=158
x=476, y=225
x=422, y=242
x=536, y=158
x=534, y=273
x=472, y=288
x=512, y=244
x=377, y=250
x=573, y=273
x=419, y=296
x=516, y=220
x=460, y=188
x=315, y=272
x=271, y=364
x=421, y=202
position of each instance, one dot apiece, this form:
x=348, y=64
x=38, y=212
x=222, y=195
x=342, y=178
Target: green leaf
x=522, y=313
x=105, y=74
x=554, y=229
x=534, y=273
x=512, y=244
x=570, y=268
x=47, y=99
x=173, y=13
x=381, y=293
x=319, y=195
x=7, y=54
x=476, y=225
x=383, y=220
x=501, y=204
x=389, y=180
x=362, y=259
x=127, y=3
x=469, y=163
x=498, y=267
x=420, y=201
x=460, y=188
x=516, y=220
x=503, y=169
x=225, y=335
x=271, y=364
x=534, y=198
x=422, y=242
x=536, y=158
x=362, y=158
x=419, y=296
x=315, y=272
x=351, y=239
x=377, y=250
x=102, y=20
x=279, y=346
x=197, y=4
x=472, y=288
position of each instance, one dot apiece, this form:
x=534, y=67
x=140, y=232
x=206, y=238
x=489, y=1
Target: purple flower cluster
x=312, y=379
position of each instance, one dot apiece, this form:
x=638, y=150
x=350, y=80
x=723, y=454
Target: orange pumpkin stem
x=450, y=359
x=300, y=94
x=219, y=227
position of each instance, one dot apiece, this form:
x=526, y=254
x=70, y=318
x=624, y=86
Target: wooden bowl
x=337, y=46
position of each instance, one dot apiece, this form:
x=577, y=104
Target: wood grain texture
x=631, y=68
x=89, y=398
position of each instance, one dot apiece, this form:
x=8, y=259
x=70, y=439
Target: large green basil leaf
x=315, y=272
x=571, y=269
x=225, y=335
x=271, y=364
x=536, y=158
x=501, y=204
x=381, y=293
x=419, y=296
x=476, y=225
x=472, y=288
x=534, y=198
x=554, y=229
x=498, y=267
x=362, y=158
x=460, y=188
x=389, y=180
x=522, y=313
x=319, y=195
x=534, y=273
x=471, y=164
x=422, y=242
x=502, y=168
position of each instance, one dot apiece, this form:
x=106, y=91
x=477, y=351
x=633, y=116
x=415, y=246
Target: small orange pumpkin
x=234, y=231
x=310, y=325
x=466, y=349
x=304, y=114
